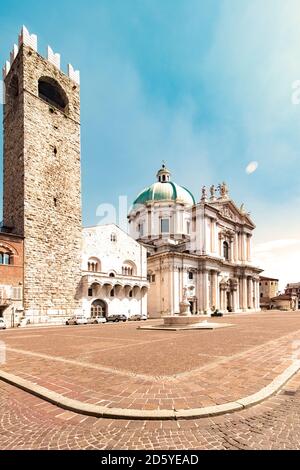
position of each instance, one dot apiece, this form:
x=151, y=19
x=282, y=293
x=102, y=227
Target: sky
x=205, y=85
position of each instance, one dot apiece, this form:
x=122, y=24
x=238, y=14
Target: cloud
x=251, y=168
x=280, y=259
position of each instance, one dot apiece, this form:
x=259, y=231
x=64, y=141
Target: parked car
x=138, y=317
x=99, y=320
x=2, y=324
x=80, y=320
x=135, y=318
x=23, y=322
x=116, y=318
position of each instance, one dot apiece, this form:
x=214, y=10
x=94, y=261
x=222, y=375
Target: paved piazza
x=116, y=365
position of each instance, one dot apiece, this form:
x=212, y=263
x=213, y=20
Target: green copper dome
x=165, y=190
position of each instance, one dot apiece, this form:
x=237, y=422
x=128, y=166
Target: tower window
x=55, y=202
x=191, y=275
x=140, y=228
x=165, y=226
x=51, y=92
x=55, y=151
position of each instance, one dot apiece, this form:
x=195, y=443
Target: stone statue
x=212, y=190
x=204, y=195
x=185, y=293
x=223, y=188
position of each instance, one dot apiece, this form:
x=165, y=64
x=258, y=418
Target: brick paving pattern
x=27, y=422
x=120, y=366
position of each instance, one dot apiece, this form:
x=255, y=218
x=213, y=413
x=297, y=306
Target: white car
x=99, y=320
x=80, y=320
x=2, y=324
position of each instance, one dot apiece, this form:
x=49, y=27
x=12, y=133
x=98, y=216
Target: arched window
x=51, y=92
x=112, y=293
x=112, y=275
x=5, y=258
x=226, y=250
x=94, y=265
x=129, y=268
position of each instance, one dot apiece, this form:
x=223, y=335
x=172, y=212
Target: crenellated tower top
x=31, y=40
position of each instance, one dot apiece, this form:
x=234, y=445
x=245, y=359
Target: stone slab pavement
x=119, y=366
x=27, y=422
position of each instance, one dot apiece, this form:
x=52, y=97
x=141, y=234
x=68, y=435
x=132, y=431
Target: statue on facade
x=223, y=189
x=212, y=190
x=204, y=194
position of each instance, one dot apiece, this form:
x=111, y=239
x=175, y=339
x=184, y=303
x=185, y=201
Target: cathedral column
x=257, y=299
x=244, y=293
x=236, y=247
x=205, y=290
x=231, y=250
x=214, y=289
x=234, y=295
x=250, y=292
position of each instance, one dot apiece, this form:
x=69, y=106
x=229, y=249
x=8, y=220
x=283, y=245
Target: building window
x=226, y=250
x=5, y=259
x=131, y=294
x=94, y=265
x=51, y=92
x=140, y=229
x=112, y=275
x=151, y=278
x=113, y=238
x=90, y=292
x=165, y=226
x=129, y=269
x=261, y=294
x=191, y=275
x=112, y=293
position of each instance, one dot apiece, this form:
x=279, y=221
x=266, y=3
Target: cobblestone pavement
x=121, y=366
x=27, y=422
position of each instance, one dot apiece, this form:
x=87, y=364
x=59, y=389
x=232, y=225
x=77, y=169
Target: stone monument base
x=191, y=322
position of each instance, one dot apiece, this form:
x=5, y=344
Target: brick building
x=268, y=289
x=11, y=278
x=294, y=289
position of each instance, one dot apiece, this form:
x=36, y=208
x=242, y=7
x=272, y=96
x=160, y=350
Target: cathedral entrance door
x=228, y=302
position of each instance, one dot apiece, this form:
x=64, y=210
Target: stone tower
x=42, y=181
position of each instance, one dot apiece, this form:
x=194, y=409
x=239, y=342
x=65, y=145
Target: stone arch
x=98, y=308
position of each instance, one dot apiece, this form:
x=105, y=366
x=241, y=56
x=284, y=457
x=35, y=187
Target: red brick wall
x=12, y=275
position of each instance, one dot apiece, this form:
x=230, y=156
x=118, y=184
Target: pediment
x=228, y=210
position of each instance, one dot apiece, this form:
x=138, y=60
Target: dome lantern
x=163, y=175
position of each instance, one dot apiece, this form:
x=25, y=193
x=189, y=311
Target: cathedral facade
x=204, y=247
